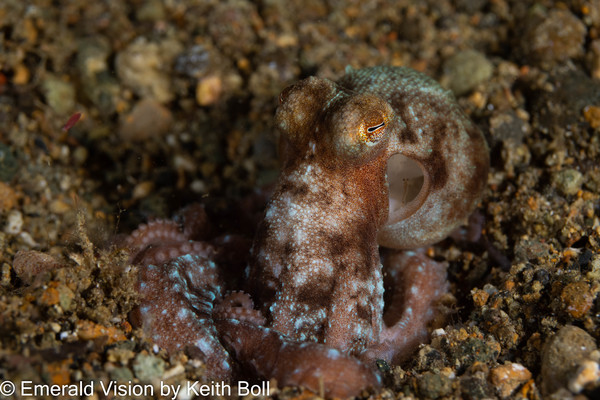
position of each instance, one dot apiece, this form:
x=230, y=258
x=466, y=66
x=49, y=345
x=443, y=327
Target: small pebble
x=142, y=189
x=8, y=197
x=141, y=66
x=194, y=62
x=198, y=186
x=4, y=273
x=92, y=57
x=55, y=327
x=233, y=27
x=554, y=111
x=148, y=119
x=98, y=83
x=433, y=385
x=475, y=386
x=173, y=372
x=509, y=377
x=28, y=239
x=148, y=367
x=465, y=70
x=507, y=126
x=30, y=263
x=568, y=181
x=594, y=272
x=21, y=75
x=60, y=94
x=121, y=374
x=65, y=297
x=59, y=206
x=562, y=356
x=14, y=222
x=80, y=155
x=49, y=297
x=121, y=355
x=577, y=298
x=438, y=332
x=151, y=10
x=588, y=373
x=88, y=330
x=480, y=297
x=26, y=29
x=592, y=116
x=208, y=90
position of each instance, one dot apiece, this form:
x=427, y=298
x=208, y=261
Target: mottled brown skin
x=315, y=266
x=450, y=149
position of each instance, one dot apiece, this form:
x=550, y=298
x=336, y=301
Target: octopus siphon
x=382, y=157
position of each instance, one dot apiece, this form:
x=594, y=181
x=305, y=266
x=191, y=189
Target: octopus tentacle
x=315, y=366
x=161, y=240
x=238, y=298
x=157, y=231
x=419, y=282
x=239, y=306
x=160, y=254
x=195, y=222
x=177, y=309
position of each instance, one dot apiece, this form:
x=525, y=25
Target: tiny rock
x=588, y=373
x=208, y=90
x=465, y=70
x=592, y=115
x=568, y=181
x=60, y=94
x=14, y=222
x=141, y=66
x=577, y=298
x=30, y=263
x=563, y=355
x=147, y=119
x=509, y=377
x=8, y=197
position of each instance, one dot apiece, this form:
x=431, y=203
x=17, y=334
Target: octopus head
x=337, y=125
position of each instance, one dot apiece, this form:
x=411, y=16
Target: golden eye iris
x=372, y=130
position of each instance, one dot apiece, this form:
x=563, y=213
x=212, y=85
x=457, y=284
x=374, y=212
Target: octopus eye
x=372, y=129
x=284, y=94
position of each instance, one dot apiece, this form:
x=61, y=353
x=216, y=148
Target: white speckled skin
x=177, y=305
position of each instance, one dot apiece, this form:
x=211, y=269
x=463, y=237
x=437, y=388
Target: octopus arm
x=419, y=282
x=177, y=307
x=314, y=366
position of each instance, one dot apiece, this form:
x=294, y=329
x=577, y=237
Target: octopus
x=382, y=157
